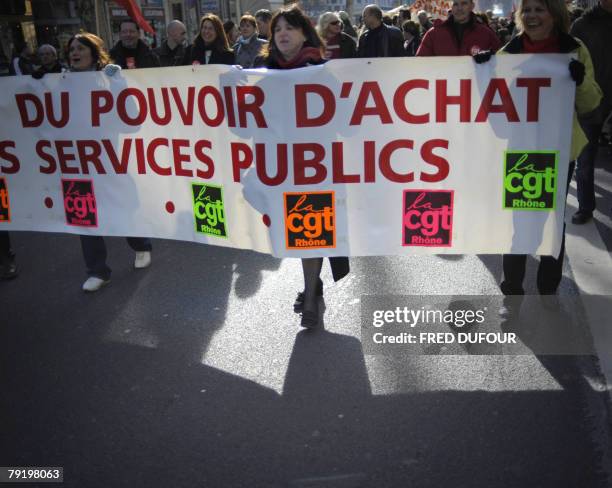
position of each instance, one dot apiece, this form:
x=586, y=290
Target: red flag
x=135, y=14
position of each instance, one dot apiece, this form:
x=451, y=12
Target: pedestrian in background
x=594, y=28
x=211, y=45
x=412, y=40
x=174, y=50
x=379, y=40
x=338, y=45
x=231, y=32
x=131, y=52
x=49, y=63
x=249, y=45
x=263, y=17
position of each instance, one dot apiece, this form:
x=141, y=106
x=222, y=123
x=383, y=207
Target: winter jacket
x=198, y=54
x=348, y=47
x=442, y=39
x=168, y=57
x=143, y=56
x=594, y=28
x=383, y=42
x=588, y=94
x=246, y=51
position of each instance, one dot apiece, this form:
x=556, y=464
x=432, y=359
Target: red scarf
x=548, y=45
x=307, y=55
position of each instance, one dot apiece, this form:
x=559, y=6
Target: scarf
x=307, y=55
x=548, y=45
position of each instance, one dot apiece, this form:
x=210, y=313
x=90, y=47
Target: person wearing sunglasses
x=338, y=45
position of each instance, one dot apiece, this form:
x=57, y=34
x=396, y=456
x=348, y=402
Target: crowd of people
x=288, y=39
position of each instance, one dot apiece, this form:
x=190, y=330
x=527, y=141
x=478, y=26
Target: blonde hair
x=324, y=20
x=556, y=8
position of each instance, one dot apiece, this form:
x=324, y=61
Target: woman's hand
x=111, y=69
x=577, y=71
x=483, y=56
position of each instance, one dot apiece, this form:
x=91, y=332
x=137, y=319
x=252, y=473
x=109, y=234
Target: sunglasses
x=334, y=22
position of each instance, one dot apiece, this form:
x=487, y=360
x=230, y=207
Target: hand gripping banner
x=352, y=158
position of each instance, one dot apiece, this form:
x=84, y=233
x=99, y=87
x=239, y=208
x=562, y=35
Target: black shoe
x=310, y=320
x=10, y=270
x=581, y=217
x=298, y=305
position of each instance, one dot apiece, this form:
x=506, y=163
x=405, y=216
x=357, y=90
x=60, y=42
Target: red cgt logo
x=428, y=218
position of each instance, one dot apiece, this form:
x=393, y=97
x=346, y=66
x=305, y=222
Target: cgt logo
x=310, y=220
x=208, y=210
x=80, y=203
x=428, y=218
x=5, y=206
x=530, y=180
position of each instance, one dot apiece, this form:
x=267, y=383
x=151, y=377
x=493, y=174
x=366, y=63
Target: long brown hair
x=96, y=45
x=220, y=43
x=294, y=16
x=556, y=8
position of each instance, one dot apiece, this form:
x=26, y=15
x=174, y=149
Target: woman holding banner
x=296, y=44
x=86, y=53
x=543, y=28
x=211, y=45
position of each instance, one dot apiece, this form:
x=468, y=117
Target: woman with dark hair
x=211, y=45
x=543, y=27
x=86, y=53
x=295, y=43
x=412, y=41
x=231, y=32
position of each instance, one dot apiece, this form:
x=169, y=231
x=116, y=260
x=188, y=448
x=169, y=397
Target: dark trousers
x=94, y=253
x=5, y=246
x=550, y=269
x=585, y=169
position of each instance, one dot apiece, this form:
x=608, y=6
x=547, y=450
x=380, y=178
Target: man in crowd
x=131, y=52
x=379, y=40
x=594, y=28
x=462, y=34
x=174, y=50
x=424, y=22
x=22, y=64
x=263, y=18
x=49, y=63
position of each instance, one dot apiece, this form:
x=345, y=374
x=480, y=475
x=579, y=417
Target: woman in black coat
x=211, y=45
x=294, y=43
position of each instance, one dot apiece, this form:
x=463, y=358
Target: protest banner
x=352, y=158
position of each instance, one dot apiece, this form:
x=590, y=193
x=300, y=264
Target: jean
x=94, y=253
x=585, y=169
x=6, y=252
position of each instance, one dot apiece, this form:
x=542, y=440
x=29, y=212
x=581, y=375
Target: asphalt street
x=195, y=373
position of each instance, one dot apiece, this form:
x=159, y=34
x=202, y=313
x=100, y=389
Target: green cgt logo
x=530, y=180
x=208, y=210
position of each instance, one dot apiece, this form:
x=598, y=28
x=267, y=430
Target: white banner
x=352, y=158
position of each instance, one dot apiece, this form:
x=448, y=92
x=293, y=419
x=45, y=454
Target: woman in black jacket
x=211, y=45
x=294, y=43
